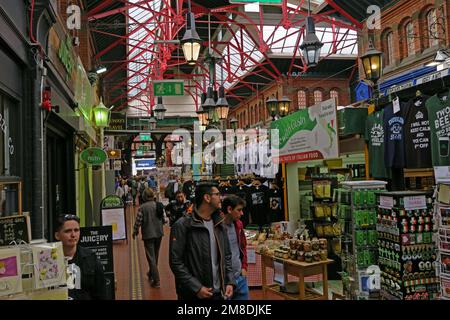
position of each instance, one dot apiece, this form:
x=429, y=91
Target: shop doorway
x=60, y=175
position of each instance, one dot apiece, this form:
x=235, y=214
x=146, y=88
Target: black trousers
x=152, y=253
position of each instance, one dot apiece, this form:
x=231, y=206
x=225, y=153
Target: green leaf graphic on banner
x=292, y=124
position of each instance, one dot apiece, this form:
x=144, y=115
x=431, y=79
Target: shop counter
x=297, y=269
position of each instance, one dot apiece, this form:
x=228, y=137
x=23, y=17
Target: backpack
x=141, y=188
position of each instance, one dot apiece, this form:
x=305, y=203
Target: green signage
x=112, y=202
x=145, y=137
x=168, y=88
x=65, y=54
x=93, y=156
x=257, y=1
x=139, y=153
x=145, y=148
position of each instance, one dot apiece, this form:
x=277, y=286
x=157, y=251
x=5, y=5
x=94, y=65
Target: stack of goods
x=358, y=220
x=443, y=217
x=407, y=254
x=302, y=250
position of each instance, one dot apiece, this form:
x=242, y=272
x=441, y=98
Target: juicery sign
x=308, y=134
x=93, y=156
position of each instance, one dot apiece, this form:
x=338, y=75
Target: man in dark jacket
x=87, y=277
x=177, y=208
x=150, y=220
x=199, y=253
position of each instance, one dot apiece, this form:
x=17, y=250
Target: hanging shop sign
x=114, y=154
x=117, y=121
x=117, y=165
x=146, y=163
x=168, y=88
x=93, y=156
x=308, y=134
x=417, y=81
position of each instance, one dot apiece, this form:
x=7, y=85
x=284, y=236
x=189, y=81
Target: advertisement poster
x=115, y=217
x=309, y=134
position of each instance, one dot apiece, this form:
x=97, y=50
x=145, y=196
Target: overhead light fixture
x=372, y=63
x=311, y=44
x=209, y=105
x=101, y=69
x=160, y=110
x=233, y=123
x=202, y=114
x=440, y=57
x=222, y=104
x=272, y=106
x=284, y=105
x=152, y=122
x=101, y=115
x=191, y=41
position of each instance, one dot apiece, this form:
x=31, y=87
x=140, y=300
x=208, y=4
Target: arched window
x=335, y=94
x=388, y=48
x=318, y=96
x=409, y=34
x=302, y=100
x=432, y=30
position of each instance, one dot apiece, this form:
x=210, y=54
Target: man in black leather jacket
x=177, y=208
x=199, y=252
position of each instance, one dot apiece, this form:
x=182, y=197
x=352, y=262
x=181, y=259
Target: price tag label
x=386, y=202
x=415, y=202
x=396, y=105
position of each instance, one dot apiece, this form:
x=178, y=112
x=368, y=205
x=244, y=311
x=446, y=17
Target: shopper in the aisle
x=150, y=219
x=199, y=252
x=232, y=207
x=86, y=270
x=178, y=208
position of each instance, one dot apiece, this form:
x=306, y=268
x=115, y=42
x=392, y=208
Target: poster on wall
x=115, y=217
x=10, y=274
x=308, y=134
x=49, y=266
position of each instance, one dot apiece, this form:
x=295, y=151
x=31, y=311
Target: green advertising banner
x=308, y=134
x=168, y=88
x=93, y=156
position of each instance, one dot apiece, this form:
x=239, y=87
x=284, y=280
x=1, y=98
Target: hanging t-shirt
x=417, y=134
x=275, y=205
x=439, y=116
x=374, y=136
x=394, y=149
x=258, y=205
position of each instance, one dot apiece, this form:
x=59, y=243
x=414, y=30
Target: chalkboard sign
x=99, y=240
x=14, y=228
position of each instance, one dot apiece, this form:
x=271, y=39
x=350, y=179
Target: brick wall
x=254, y=112
x=395, y=19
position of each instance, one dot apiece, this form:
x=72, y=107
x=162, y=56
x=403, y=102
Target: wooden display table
x=300, y=270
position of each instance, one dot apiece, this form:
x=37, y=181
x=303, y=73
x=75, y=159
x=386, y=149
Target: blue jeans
x=241, y=290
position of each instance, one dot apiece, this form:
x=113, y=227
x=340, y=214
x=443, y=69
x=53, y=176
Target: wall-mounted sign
x=114, y=154
x=117, y=121
x=93, y=156
x=308, y=134
x=145, y=137
x=168, y=88
x=147, y=163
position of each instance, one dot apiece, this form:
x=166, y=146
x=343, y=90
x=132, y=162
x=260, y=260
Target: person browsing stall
x=199, y=253
x=87, y=277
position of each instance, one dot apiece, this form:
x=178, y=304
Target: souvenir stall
x=442, y=215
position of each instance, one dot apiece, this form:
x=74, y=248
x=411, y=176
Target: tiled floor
x=130, y=266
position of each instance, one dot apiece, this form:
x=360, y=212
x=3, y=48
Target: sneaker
x=155, y=284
